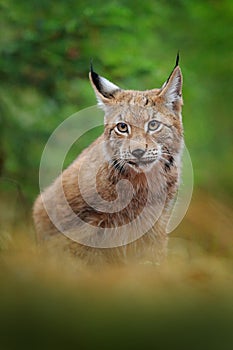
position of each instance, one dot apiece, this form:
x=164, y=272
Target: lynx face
x=142, y=128
x=141, y=137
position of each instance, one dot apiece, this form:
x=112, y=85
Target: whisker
x=118, y=164
x=166, y=161
x=122, y=164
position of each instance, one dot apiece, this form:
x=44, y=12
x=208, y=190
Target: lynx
x=112, y=204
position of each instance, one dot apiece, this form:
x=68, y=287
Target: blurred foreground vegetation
x=53, y=301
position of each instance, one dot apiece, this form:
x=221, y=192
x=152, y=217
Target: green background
x=46, y=49
x=45, y=53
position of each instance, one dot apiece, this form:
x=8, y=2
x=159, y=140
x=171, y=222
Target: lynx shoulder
x=112, y=204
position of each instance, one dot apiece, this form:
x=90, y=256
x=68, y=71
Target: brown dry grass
x=191, y=291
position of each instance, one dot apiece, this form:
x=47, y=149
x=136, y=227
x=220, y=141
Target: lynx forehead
x=142, y=143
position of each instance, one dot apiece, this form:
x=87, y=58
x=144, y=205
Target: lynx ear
x=103, y=88
x=172, y=89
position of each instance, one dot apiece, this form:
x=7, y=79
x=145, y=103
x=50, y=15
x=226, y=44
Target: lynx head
x=142, y=128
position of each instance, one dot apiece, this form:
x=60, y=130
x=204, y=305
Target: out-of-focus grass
x=53, y=301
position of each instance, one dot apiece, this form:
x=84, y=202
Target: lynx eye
x=154, y=125
x=122, y=127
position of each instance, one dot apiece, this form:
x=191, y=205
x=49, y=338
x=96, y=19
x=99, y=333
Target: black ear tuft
x=91, y=64
x=176, y=65
x=104, y=89
x=95, y=78
x=177, y=59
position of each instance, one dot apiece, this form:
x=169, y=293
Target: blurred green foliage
x=46, y=47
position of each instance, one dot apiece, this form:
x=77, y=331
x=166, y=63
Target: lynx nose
x=138, y=153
